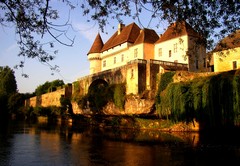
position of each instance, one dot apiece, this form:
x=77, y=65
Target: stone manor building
x=179, y=44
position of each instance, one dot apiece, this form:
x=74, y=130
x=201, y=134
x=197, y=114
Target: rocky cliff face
x=132, y=106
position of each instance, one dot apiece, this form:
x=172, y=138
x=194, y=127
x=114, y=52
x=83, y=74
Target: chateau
x=135, y=57
x=179, y=44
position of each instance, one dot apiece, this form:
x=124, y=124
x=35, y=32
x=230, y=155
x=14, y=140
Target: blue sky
x=72, y=61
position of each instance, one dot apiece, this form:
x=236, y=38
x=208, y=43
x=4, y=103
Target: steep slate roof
x=128, y=34
x=229, y=42
x=147, y=36
x=97, y=45
x=178, y=29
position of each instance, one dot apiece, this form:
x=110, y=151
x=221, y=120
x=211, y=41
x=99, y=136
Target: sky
x=72, y=61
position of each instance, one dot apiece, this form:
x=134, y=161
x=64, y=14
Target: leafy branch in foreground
x=33, y=19
x=210, y=18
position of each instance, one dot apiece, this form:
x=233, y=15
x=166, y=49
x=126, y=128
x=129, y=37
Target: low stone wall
x=45, y=100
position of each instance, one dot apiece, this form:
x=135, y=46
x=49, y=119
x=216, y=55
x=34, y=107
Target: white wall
x=178, y=55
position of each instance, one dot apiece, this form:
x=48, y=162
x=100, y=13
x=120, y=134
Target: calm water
x=23, y=143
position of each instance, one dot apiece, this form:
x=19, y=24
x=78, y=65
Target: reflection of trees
x=64, y=144
x=5, y=143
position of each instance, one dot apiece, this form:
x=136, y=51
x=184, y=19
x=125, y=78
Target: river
x=43, y=143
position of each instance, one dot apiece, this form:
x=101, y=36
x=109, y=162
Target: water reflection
x=44, y=143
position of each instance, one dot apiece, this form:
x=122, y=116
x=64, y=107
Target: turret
x=94, y=55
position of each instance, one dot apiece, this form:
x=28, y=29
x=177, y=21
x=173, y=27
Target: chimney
x=120, y=27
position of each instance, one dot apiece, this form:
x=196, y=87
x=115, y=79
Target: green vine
x=213, y=101
x=119, y=95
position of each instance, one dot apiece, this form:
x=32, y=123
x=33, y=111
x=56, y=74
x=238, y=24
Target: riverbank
x=136, y=123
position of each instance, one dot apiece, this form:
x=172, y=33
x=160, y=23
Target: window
x=114, y=60
x=234, y=65
x=175, y=47
x=196, y=64
x=160, y=52
x=204, y=62
x=170, y=53
x=122, y=57
x=104, y=63
x=135, y=53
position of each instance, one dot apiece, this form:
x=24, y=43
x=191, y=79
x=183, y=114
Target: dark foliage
x=32, y=20
x=213, y=101
x=99, y=95
x=210, y=18
x=66, y=106
x=48, y=87
x=8, y=87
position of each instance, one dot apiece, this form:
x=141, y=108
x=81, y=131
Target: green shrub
x=51, y=111
x=99, y=95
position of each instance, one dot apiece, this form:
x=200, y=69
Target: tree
x=210, y=18
x=214, y=18
x=33, y=19
x=8, y=86
x=48, y=87
x=15, y=103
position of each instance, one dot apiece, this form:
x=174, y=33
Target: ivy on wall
x=213, y=100
x=99, y=95
x=119, y=95
x=165, y=79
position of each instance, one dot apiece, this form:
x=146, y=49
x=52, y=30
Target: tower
x=94, y=55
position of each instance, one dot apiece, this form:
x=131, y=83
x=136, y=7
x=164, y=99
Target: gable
x=230, y=42
x=178, y=29
x=147, y=36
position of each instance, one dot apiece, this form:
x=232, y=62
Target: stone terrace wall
x=45, y=100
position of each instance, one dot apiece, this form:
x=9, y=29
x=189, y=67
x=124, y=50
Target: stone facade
x=180, y=43
x=132, y=106
x=50, y=99
x=138, y=75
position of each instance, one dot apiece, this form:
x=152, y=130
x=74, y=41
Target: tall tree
x=8, y=82
x=8, y=86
